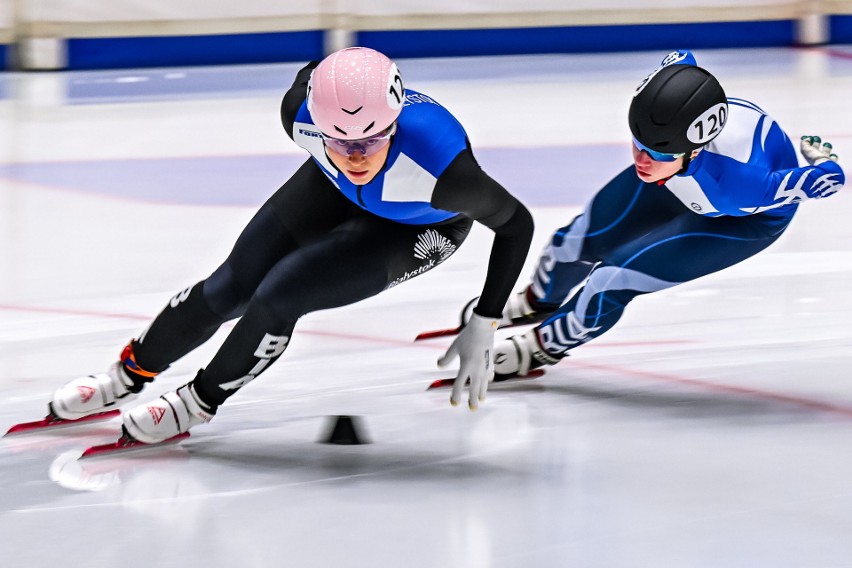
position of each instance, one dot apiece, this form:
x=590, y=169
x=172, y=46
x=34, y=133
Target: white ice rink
x=712, y=427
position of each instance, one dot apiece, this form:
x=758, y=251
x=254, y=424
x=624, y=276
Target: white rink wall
x=151, y=17
x=90, y=18
x=7, y=21
x=41, y=29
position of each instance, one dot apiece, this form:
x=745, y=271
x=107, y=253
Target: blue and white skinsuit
x=736, y=198
x=321, y=242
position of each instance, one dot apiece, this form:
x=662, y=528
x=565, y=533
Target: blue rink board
x=168, y=51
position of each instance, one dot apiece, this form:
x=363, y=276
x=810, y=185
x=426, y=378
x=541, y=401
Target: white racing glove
x=475, y=349
x=816, y=151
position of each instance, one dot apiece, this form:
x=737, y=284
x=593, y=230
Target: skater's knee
x=224, y=295
x=289, y=294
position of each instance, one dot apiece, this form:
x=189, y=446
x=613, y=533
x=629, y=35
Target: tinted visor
x=367, y=146
x=657, y=156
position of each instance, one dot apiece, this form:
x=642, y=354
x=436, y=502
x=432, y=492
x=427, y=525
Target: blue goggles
x=657, y=156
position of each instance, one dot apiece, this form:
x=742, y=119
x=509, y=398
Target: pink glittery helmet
x=355, y=93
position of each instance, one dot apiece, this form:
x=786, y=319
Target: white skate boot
x=93, y=394
x=516, y=355
x=518, y=310
x=165, y=417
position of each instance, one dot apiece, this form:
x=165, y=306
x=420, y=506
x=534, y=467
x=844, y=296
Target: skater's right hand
x=475, y=349
x=816, y=151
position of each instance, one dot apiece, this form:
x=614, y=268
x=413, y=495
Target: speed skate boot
x=165, y=417
x=99, y=393
x=517, y=355
x=521, y=308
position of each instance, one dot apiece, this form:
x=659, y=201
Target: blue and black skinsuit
x=735, y=198
x=321, y=242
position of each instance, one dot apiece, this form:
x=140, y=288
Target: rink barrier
x=223, y=49
x=81, y=45
x=579, y=39
x=170, y=51
x=840, y=29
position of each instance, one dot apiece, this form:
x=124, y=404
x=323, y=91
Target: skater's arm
x=465, y=188
x=753, y=189
x=295, y=96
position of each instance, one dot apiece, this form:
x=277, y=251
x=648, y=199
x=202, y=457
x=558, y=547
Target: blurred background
x=710, y=428
x=92, y=34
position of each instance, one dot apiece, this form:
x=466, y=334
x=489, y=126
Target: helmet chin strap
x=688, y=160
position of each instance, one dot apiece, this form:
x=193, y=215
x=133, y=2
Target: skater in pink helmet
x=390, y=190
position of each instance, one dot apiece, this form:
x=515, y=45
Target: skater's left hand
x=475, y=349
x=816, y=151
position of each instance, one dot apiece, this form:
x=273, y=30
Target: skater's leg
x=681, y=250
x=357, y=260
x=301, y=210
x=623, y=210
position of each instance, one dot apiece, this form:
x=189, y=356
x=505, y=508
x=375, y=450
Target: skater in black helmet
x=714, y=181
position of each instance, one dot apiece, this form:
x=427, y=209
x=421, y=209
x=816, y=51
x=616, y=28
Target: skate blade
x=51, y=422
x=125, y=445
x=534, y=374
x=438, y=333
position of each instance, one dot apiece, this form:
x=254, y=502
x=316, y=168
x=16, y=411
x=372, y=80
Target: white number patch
x=645, y=81
x=707, y=126
x=673, y=57
x=396, y=90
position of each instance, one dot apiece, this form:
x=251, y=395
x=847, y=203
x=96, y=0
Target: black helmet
x=677, y=109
